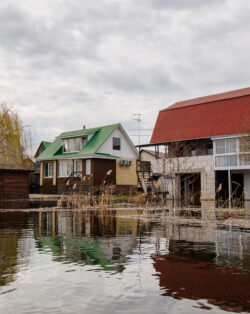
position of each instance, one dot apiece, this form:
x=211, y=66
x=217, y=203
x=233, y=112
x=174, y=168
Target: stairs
x=143, y=174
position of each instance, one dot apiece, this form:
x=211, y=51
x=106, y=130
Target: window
x=116, y=143
x=245, y=160
x=210, y=149
x=72, y=144
x=88, y=167
x=78, y=166
x=65, y=146
x=65, y=168
x=226, y=146
x=48, y=170
x=245, y=144
x=84, y=141
x=226, y=161
x=77, y=144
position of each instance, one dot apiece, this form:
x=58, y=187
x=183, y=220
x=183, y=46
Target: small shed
x=14, y=188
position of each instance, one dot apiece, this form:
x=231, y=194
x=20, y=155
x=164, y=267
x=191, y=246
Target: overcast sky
x=69, y=63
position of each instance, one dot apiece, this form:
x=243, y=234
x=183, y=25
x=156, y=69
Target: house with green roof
x=86, y=156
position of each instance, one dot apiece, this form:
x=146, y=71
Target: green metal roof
x=79, y=132
x=46, y=144
x=54, y=150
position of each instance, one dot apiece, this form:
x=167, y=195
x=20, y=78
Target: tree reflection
x=11, y=225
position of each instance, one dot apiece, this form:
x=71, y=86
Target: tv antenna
x=137, y=117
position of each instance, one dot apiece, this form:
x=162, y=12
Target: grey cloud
x=28, y=37
x=182, y=4
x=85, y=61
x=138, y=80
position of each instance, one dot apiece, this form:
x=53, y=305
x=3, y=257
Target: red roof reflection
x=182, y=277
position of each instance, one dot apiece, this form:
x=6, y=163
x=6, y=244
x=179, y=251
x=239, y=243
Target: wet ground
x=121, y=261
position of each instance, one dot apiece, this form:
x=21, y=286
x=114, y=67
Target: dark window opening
x=190, y=189
x=237, y=189
x=48, y=169
x=116, y=143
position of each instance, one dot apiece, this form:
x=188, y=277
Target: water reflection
x=11, y=226
x=175, y=262
x=102, y=240
x=197, y=279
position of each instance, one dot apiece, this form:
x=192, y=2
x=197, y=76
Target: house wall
x=126, y=150
x=88, y=180
x=14, y=189
x=146, y=156
x=41, y=173
x=48, y=187
x=100, y=170
x=195, y=164
x=126, y=175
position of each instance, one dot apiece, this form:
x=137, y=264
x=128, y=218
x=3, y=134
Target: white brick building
x=207, y=150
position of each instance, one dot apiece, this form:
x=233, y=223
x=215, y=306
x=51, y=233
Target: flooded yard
x=121, y=261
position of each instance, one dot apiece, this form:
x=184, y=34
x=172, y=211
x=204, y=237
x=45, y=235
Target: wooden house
x=35, y=187
x=14, y=188
x=89, y=158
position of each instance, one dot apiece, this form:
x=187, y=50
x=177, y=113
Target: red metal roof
x=215, y=115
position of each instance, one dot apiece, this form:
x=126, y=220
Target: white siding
x=126, y=150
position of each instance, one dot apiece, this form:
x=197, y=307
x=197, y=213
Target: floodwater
x=120, y=262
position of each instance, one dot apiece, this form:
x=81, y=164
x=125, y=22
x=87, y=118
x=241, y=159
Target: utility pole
x=137, y=117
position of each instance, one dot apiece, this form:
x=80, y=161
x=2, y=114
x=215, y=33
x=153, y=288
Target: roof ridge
x=87, y=130
x=209, y=98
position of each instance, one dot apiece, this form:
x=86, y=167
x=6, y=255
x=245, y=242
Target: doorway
x=190, y=189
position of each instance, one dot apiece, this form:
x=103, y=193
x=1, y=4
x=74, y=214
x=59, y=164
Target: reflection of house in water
x=11, y=225
x=186, y=278
x=228, y=247
x=87, y=238
x=120, y=241
x=206, y=264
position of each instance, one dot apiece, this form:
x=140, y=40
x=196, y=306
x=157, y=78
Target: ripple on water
x=74, y=262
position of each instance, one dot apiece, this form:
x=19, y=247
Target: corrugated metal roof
x=46, y=144
x=211, y=98
x=54, y=150
x=194, y=119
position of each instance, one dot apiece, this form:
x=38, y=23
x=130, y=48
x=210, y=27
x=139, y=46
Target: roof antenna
x=84, y=127
x=137, y=117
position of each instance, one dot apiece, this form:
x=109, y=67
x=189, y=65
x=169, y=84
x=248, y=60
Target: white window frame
x=61, y=172
x=237, y=153
x=88, y=167
x=50, y=169
x=76, y=161
x=116, y=138
x=76, y=146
